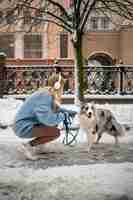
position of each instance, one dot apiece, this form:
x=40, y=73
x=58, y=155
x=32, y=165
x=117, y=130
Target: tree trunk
x=78, y=68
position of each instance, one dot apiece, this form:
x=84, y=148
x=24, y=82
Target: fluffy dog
x=96, y=121
x=88, y=122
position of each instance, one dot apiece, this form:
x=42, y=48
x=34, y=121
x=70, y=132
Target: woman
x=39, y=116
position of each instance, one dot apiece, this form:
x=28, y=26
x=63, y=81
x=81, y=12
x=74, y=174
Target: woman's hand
x=55, y=105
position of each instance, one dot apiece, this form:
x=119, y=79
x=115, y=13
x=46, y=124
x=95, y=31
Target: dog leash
x=67, y=126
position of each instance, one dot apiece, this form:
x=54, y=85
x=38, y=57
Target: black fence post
x=121, y=79
x=2, y=73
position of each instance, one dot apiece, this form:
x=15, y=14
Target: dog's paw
x=88, y=149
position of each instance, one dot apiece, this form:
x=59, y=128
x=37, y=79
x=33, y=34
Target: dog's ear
x=102, y=114
x=82, y=106
x=109, y=118
x=93, y=106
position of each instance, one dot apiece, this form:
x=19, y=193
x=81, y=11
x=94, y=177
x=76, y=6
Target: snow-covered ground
x=94, y=182
x=28, y=180
x=9, y=107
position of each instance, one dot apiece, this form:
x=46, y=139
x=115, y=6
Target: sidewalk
x=58, y=154
x=65, y=172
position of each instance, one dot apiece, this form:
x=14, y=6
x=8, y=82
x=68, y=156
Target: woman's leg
x=41, y=134
x=44, y=134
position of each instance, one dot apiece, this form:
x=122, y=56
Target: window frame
x=63, y=45
x=105, y=23
x=34, y=51
x=9, y=48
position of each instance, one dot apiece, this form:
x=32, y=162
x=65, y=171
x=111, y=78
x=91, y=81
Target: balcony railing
x=109, y=80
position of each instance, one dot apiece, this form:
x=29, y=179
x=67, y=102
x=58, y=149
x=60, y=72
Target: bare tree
x=73, y=19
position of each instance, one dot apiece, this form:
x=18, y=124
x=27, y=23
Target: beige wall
x=107, y=43
x=126, y=45
x=116, y=44
x=53, y=41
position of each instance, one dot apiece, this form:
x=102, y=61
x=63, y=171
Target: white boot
x=28, y=151
x=40, y=149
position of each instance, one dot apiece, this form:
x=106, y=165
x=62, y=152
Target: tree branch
x=60, y=7
x=58, y=18
x=86, y=15
x=58, y=24
x=50, y=13
x=85, y=9
x=119, y=8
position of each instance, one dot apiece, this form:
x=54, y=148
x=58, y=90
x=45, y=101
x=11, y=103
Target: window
x=38, y=16
x=9, y=17
x=27, y=16
x=94, y=23
x=7, y=44
x=104, y=23
x=63, y=45
x=32, y=46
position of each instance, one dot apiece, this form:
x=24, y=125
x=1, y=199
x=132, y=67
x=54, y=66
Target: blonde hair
x=54, y=78
x=52, y=82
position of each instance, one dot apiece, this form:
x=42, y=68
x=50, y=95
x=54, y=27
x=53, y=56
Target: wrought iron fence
x=109, y=80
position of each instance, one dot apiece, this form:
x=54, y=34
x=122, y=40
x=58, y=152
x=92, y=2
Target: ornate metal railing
x=110, y=80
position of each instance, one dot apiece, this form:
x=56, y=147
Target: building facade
x=50, y=42
x=105, y=41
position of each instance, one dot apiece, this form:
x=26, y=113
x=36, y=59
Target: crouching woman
x=39, y=116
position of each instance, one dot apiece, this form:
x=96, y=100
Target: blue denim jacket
x=37, y=109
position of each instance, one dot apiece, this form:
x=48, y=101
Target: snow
x=8, y=108
x=93, y=181
x=73, y=182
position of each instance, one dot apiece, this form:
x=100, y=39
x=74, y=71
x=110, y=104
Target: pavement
x=58, y=154
x=21, y=178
